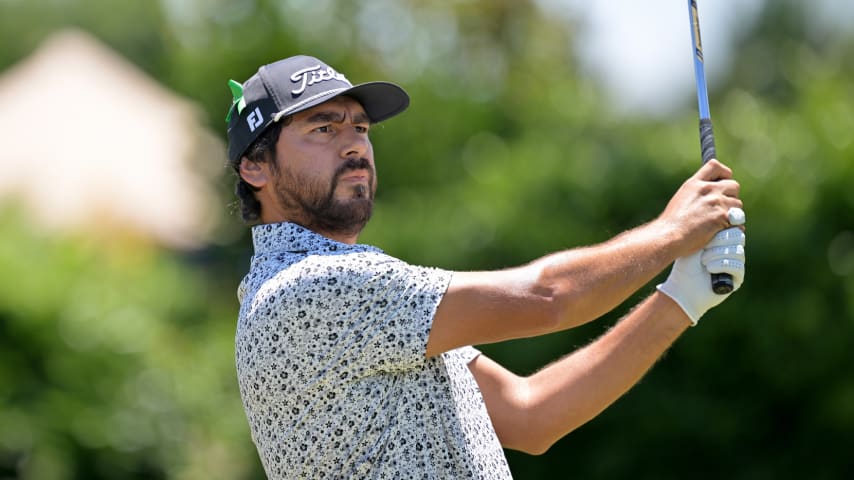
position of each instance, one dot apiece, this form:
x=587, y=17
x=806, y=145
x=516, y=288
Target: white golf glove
x=689, y=283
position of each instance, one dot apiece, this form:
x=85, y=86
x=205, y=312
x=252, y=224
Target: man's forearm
x=588, y=282
x=553, y=293
x=571, y=391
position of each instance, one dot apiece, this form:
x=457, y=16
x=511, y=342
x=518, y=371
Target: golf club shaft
x=721, y=282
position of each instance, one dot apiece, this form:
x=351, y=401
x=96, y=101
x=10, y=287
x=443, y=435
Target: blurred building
x=93, y=145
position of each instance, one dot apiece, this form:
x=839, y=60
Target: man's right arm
x=573, y=287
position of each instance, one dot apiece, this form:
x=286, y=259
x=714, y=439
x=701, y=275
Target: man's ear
x=254, y=173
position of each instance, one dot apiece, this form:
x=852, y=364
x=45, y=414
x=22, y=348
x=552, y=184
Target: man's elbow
x=527, y=432
x=537, y=449
x=531, y=446
x=544, y=310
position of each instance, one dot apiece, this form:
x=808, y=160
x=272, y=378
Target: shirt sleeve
x=399, y=313
x=467, y=354
x=368, y=314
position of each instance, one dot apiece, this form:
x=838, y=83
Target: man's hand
x=699, y=209
x=688, y=284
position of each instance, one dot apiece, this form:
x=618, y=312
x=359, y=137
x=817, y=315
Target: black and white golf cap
x=295, y=84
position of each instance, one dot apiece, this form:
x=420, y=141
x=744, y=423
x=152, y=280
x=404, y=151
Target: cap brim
x=381, y=100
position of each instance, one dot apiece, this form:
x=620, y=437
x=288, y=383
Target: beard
x=314, y=203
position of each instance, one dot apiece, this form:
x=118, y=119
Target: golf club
x=721, y=282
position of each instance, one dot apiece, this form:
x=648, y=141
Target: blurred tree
x=118, y=361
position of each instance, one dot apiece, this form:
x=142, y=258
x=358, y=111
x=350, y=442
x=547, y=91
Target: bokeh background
x=536, y=125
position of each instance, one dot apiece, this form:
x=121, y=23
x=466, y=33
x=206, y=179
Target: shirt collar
x=292, y=238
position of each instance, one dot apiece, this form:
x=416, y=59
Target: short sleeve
x=467, y=354
x=367, y=311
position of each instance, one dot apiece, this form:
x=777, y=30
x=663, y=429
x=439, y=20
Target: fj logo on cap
x=255, y=119
x=309, y=76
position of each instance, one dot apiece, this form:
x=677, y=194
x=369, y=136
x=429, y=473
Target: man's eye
x=361, y=129
x=323, y=129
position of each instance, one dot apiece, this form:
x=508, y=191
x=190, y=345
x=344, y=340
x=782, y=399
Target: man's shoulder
x=347, y=271
x=325, y=262
x=303, y=269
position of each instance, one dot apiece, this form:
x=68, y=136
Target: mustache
x=354, y=163
x=360, y=163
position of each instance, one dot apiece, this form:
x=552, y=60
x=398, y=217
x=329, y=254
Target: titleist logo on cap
x=312, y=75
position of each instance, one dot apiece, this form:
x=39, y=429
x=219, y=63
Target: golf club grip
x=707, y=140
x=721, y=282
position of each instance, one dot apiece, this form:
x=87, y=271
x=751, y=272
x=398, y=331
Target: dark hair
x=263, y=149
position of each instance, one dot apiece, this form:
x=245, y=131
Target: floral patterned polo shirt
x=330, y=359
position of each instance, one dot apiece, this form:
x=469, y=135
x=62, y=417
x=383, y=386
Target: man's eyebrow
x=361, y=117
x=336, y=117
x=325, y=117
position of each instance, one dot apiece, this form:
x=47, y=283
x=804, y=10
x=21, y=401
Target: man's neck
x=348, y=238
x=341, y=236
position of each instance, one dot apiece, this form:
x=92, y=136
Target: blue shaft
x=699, y=69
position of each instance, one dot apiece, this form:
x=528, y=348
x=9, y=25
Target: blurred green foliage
x=117, y=362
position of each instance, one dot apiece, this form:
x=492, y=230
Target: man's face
x=324, y=176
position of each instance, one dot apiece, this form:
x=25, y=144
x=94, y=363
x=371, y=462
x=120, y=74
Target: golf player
x=355, y=364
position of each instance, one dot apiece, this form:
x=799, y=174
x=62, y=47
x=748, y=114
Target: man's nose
x=355, y=144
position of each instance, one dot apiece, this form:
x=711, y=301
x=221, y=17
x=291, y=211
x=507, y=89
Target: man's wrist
x=670, y=297
x=669, y=238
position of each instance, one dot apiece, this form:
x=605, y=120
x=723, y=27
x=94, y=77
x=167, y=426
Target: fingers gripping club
x=736, y=216
x=688, y=282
